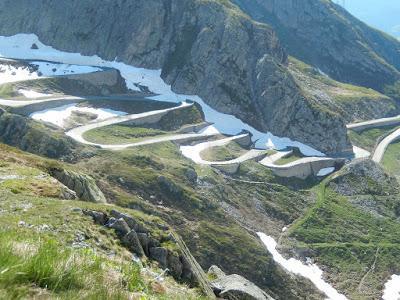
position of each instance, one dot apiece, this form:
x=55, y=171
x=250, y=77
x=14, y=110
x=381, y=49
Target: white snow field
x=325, y=171
x=49, y=69
x=360, y=152
x=9, y=73
x=32, y=94
x=58, y=116
x=19, y=47
x=310, y=271
x=392, y=288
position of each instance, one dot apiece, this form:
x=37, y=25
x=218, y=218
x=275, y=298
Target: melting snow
x=325, y=171
x=360, y=153
x=32, y=94
x=18, y=47
x=10, y=73
x=59, y=115
x=52, y=69
x=310, y=271
x=392, y=288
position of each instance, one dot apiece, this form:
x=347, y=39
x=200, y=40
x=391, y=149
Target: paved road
x=381, y=148
x=194, y=152
x=146, y=117
x=374, y=123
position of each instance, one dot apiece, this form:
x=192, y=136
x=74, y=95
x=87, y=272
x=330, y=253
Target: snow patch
x=392, y=288
x=360, y=152
x=58, y=116
x=10, y=73
x=32, y=94
x=325, y=171
x=52, y=69
x=310, y=271
x=19, y=47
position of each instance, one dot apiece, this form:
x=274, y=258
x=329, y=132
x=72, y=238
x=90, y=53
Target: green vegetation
x=7, y=91
x=121, y=134
x=48, y=248
x=391, y=159
x=393, y=91
x=227, y=152
x=347, y=240
x=368, y=139
x=291, y=158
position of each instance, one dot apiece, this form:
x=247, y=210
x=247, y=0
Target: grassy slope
x=391, y=159
x=352, y=102
x=350, y=242
x=367, y=139
x=38, y=230
x=227, y=152
x=123, y=134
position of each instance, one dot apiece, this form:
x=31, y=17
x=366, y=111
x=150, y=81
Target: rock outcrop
x=83, y=185
x=137, y=238
x=209, y=48
x=325, y=35
x=234, y=287
x=364, y=177
x=34, y=137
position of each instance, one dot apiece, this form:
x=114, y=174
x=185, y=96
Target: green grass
x=223, y=153
x=367, y=139
x=38, y=261
x=121, y=134
x=291, y=158
x=391, y=159
x=346, y=239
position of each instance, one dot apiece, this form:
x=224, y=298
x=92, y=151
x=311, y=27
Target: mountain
x=209, y=48
x=326, y=36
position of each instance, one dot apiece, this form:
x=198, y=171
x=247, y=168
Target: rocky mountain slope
x=209, y=48
x=326, y=36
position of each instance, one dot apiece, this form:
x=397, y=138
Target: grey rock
x=234, y=287
x=216, y=272
x=98, y=217
x=174, y=265
x=144, y=241
x=132, y=242
x=160, y=255
x=132, y=223
x=120, y=226
x=83, y=185
x=364, y=177
x=191, y=175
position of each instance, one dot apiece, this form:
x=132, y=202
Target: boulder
x=132, y=223
x=174, y=265
x=120, y=226
x=83, y=185
x=144, y=241
x=132, y=242
x=234, y=287
x=98, y=217
x=160, y=255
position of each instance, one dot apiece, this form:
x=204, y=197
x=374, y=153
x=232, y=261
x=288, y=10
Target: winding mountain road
x=382, y=146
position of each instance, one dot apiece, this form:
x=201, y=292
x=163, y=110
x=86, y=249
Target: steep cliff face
x=327, y=36
x=209, y=48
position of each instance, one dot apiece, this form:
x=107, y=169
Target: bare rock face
x=364, y=177
x=234, y=286
x=325, y=35
x=209, y=48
